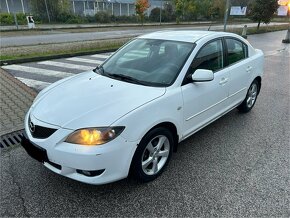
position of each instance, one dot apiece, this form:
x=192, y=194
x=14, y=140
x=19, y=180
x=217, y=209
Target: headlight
x=94, y=136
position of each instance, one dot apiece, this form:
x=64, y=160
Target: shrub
x=69, y=18
x=126, y=19
x=21, y=18
x=103, y=17
x=6, y=19
x=90, y=19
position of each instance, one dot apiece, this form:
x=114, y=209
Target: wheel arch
x=172, y=128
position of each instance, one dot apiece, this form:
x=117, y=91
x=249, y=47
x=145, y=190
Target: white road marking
x=100, y=56
x=85, y=60
x=38, y=71
x=33, y=83
x=65, y=65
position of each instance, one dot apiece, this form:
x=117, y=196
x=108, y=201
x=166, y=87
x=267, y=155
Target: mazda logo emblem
x=31, y=127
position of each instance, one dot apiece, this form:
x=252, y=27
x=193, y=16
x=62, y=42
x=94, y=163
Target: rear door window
x=236, y=50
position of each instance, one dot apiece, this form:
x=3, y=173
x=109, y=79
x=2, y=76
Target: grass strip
x=71, y=49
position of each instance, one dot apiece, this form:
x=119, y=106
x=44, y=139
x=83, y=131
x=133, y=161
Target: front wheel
x=250, y=99
x=152, y=154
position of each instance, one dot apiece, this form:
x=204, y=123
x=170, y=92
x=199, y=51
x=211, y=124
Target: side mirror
x=201, y=75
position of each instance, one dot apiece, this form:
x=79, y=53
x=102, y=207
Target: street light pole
x=160, y=12
x=226, y=15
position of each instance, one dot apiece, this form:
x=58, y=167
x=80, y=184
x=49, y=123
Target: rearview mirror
x=201, y=75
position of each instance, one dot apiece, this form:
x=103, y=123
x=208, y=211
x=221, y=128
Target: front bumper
x=106, y=163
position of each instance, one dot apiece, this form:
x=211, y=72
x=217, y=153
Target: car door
x=204, y=101
x=240, y=68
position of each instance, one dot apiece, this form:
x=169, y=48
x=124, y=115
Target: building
x=83, y=7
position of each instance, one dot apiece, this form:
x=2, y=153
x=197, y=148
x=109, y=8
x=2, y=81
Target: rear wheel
x=251, y=98
x=152, y=154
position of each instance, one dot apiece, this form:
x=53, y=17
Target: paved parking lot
x=237, y=166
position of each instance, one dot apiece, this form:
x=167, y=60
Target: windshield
x=151, y=62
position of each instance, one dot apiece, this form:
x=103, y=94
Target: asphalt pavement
x=113, y=34
x=238, y=166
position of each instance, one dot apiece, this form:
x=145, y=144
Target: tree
x=217, y=8
x=203, y=9
x=168, y=13
x=263, y=11
x=53, y=10
x=189, y=9
x=140, y=7
x=179, y=9
x=155, y=14
x=185, y=9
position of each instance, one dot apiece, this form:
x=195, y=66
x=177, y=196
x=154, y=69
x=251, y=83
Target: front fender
x=168, y=108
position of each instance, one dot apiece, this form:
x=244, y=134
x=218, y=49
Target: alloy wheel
x=155, y=155
x=252, y=95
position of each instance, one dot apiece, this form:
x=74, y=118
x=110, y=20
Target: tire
x=152, y=155
x=250, y=99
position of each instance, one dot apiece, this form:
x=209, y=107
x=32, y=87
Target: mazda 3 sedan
x=127, y=116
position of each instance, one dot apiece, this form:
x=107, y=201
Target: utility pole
x=226, y=14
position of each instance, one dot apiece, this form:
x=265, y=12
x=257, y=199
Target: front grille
x=39, y=132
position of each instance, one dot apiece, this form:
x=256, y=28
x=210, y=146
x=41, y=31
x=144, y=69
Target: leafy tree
x=263, y=11
x=217, y=8
x=168, y=13
x=203, y=9
x=140, y=7
x=185, y=9
x=155, y=14
x=54, y=7
x=179, y=9
x=190, y=9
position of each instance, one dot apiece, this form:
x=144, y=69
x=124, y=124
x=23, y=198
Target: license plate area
x=34, y=151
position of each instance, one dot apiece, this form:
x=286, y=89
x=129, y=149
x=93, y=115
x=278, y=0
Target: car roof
x=181, y=35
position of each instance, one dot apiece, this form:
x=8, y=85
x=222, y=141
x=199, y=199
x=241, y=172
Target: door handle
x=223, y=81
x=249, y=69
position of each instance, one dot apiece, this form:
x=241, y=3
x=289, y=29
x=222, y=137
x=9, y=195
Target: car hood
x=90, y=100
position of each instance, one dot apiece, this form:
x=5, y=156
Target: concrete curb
x=43, y=58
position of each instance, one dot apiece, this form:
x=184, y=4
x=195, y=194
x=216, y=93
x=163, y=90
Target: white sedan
x=127, y=116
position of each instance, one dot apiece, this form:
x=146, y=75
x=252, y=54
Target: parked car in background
x=128, y=115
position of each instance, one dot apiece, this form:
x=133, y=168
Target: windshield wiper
x=99, y=69
x=127, y=78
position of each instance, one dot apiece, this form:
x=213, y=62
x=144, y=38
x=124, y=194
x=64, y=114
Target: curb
x=43, y=58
